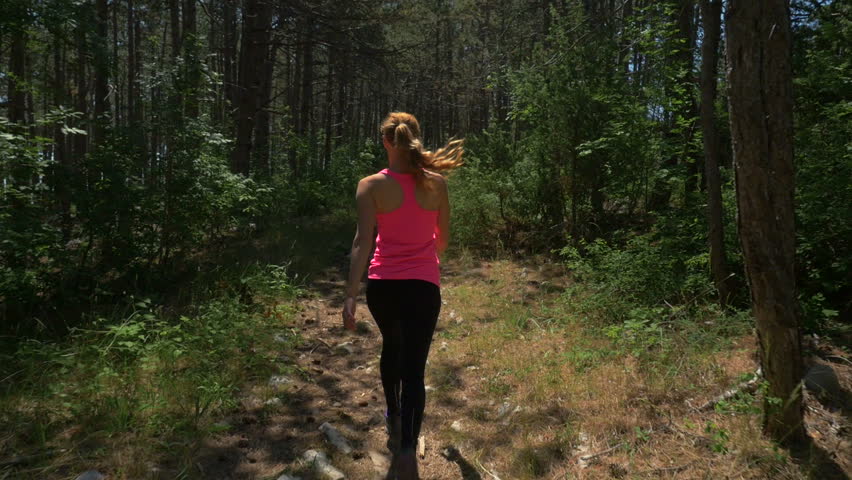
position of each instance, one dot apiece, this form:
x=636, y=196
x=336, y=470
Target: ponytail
x=403, y=131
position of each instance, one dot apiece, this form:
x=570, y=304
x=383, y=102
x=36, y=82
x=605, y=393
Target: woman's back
x=405, y=246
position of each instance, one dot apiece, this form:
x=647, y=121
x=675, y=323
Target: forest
x=648, y=275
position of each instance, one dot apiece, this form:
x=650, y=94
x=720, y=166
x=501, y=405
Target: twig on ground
x=658, y=471
x=747, y=386
x=489, y=472
x=586, y=458
x=21, y=459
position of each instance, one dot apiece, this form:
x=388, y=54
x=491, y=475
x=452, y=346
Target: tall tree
x=761, y=111
x=257, y=19
x=711, y=13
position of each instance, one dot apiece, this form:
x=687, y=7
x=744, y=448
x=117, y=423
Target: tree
x=760, y=95
x=711, y=12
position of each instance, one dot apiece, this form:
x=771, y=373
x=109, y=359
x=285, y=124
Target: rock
x=457, y=426
x=279, y=381
x=322, y=466
x=335, y=437
x=288, y=477
x=430, y=388
x=821, y=379
x=472, y=367
x=280, y=338
x=337, y=404
x=273, y=402
x=381, y=462
x=91, y=475
x=443, y=346
x=345, y=348
x=583, y=449
x=504, y=410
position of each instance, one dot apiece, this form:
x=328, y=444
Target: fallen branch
x=658, y=471
x=489, y=472
x=21, y=459
x=748, y=386
x=586, y=458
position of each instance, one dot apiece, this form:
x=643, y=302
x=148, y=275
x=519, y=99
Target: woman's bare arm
x=363, y=241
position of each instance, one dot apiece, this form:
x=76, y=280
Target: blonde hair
x=402, y=130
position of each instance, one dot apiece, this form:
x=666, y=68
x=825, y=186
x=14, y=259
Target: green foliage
x=824, y=164
x=145, y=373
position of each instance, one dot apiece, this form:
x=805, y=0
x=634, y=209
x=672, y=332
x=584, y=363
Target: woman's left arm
x=361, y=246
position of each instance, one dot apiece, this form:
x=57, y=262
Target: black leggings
x=406, y=312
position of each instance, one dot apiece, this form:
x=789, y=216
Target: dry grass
x=517, y=343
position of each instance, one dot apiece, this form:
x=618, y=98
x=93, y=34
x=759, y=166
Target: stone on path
x=273, y=402
x=91, y=475
x=381, y=462
x=322, y=466
x=288, y=477
x=279, y=381
x=345, y=348
x=335, y=437
x=457, y=426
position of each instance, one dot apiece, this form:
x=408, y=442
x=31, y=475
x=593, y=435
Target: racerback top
x=405, y=247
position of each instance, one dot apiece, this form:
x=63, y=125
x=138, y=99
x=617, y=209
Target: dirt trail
x=337, y=381
x=503, y=404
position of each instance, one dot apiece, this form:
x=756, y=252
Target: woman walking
x=408, y=204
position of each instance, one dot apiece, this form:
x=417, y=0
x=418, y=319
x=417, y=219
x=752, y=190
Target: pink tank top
x=405, y=247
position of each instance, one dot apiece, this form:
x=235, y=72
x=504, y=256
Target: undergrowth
x=143, y=377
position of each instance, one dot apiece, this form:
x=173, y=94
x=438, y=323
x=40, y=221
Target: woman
x=408, y=203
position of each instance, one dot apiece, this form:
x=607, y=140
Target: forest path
x=335, y=379
x=516, y=388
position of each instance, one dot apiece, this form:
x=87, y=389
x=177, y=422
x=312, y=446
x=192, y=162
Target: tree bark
x=18, y=68
x=711, y=12
x=192, y=67
x=255, y=39
x=102, y=62
x=761, y=111
x=263, y=126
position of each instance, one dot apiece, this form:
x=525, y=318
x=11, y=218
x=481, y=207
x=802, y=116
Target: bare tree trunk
x=306, y=122
x=229, y=48
x=255, y=39
x=261, y=132
x=82, y=84
x=192, y=67
x=102, y=61
x=18, y=69
x=62, y=167
x=761, y=104
x=711, y=12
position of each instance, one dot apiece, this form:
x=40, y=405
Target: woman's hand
x=349, y=306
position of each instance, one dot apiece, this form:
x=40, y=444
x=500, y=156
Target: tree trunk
x=255, y=39
x=18, y=70
x=306, y=123
x=192, y=67
x=82, y=84
x=62, y=167
x=761, y=107
x=102, y=63
x=711, y=11
x=262, y=128
x=229, y=48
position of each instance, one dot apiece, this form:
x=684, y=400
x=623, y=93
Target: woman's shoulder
x=436, y=179
x=372, y=180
